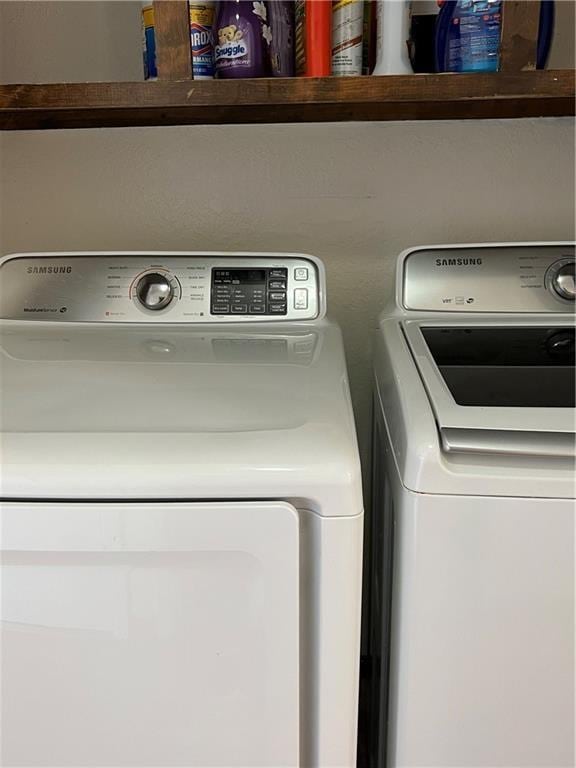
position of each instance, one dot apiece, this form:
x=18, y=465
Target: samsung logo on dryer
x=49, y=270
x=460, y=261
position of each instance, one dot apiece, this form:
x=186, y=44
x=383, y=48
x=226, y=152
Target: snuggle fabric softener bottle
x=242, y=39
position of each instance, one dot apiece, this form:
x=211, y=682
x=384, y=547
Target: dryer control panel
x=490, y=278
x=160, y=287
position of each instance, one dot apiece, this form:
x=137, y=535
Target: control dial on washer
x=561, y=279
x=154, y=291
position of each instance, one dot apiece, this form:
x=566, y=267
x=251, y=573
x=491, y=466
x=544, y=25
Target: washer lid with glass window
x=491, y=329
x=499, y=388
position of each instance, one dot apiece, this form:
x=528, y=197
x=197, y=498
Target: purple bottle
x=242, y=39
x=281, y=21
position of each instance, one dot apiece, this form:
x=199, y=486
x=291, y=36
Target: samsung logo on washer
x=49, y=270
x=459, y=262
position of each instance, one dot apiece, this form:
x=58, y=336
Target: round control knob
x=154, y=291
x=564, y=281
x=560, y=279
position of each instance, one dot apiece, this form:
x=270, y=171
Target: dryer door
x=150, y=634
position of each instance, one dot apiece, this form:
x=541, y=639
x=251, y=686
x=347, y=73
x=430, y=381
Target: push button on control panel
x=277, y=284
x=301, y=298
x=301, y=273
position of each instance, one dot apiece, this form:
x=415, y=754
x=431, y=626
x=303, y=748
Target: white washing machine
x=182, y=514
x=473, y=517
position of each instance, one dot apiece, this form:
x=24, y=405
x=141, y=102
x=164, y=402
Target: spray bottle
x=392, y=32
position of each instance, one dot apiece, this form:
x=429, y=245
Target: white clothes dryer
x=181, y=513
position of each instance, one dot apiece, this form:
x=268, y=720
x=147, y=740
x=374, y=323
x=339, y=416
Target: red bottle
x=314, y=38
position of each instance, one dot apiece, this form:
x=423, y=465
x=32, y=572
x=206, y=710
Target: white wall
x=53, y=41
x=354, y=194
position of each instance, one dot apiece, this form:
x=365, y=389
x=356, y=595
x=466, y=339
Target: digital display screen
x=239, y=276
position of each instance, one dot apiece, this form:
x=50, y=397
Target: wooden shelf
x=295, y=100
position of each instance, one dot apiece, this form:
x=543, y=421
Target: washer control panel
x=491, y=278
x=171, y=288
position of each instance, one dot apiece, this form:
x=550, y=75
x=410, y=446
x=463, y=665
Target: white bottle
x=392, y=32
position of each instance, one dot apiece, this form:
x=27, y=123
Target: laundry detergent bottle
x=468, y=36
x=242, y=39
